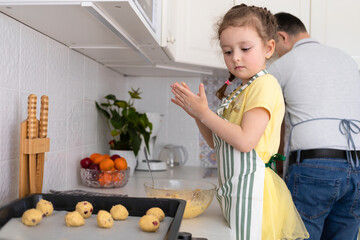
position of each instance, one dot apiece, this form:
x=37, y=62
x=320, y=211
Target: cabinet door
x=190, y=32
x=336, y=23
x=299, y=8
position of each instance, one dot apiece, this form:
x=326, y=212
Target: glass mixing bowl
x=197, y=194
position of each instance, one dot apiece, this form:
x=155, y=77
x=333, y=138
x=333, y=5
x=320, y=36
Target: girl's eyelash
x=242, y=49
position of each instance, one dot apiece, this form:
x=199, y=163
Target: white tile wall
x=33, y=63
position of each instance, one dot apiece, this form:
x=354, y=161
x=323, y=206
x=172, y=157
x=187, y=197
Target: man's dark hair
x=289, y=23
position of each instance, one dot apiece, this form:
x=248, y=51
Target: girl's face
x=244, y=52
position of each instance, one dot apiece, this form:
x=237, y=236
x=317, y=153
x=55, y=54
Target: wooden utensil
x=24, y=187
x=43, y=125
x=33, y=145
x=32, y=133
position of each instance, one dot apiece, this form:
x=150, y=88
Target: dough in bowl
x=31, y=217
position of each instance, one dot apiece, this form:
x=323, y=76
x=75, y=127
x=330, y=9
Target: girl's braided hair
x=261, y=19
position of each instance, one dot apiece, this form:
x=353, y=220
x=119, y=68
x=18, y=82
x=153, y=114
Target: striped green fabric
x=241, y=182
x=236, y=194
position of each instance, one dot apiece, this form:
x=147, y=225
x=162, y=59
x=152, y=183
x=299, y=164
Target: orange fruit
x=120, y=163
x=98, y=159
x=107, y=155
x=94, y=155
x=105, y=179
x=106, y=165
x=116, y=177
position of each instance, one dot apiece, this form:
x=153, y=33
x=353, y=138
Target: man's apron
x=347, y=127
x=241, y=183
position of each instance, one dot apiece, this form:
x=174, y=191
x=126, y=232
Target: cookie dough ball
x=119, y=212
x=31, y=217
x=157, y=212
x=84, y=208
x=45, y=207
x=74, y=219
x=149, y=223
x=104, y=219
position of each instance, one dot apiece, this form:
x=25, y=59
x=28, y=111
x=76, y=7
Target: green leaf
x=133, y=116
x=110, y=97
x=144, y=121
x=135, y=94
x=114, y=133
x=105, y=105
x=146, y=139
x=116, y=119
x=124, y=114
x=121, y=104
x=103, y=111
x=136, y=141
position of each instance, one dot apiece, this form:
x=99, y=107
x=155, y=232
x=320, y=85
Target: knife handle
x=32, y=122
x=44, y=116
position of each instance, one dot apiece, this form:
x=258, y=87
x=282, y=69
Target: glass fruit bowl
x=197, y=194
x=104, y=179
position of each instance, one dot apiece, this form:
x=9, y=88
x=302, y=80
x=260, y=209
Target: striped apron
x=241, y=183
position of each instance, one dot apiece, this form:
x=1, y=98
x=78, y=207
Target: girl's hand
x=194, y=104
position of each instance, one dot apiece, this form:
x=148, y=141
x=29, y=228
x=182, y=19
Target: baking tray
x=137, y=207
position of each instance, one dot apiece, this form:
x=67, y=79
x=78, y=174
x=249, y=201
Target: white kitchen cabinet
x=299, y=8
x=124, y=35
x=329, y=21
x=336, y=23
x=189, y=35
x=110, y=32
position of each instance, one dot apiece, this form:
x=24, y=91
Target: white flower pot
x=129, y=157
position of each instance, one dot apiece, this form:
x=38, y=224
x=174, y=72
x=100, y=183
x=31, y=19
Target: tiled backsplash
x=33, y=63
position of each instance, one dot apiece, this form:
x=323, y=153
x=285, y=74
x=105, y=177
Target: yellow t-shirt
x=263, y=92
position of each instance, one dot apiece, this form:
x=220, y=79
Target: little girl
x=245, y=132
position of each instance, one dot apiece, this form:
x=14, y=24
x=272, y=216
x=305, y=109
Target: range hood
x=117, y=34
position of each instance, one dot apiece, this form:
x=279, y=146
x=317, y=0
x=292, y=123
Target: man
x=321, y=87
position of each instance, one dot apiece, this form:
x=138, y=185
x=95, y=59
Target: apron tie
x=346, y=127
x=272, y=164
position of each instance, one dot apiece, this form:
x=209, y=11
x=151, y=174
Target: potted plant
x=127, y=126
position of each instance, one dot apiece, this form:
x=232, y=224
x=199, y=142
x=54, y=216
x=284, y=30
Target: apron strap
x=346, y=127
x=272, y=164
x=225, y=102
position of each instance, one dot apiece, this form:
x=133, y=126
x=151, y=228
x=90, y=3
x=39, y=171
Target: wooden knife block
x=36, y=146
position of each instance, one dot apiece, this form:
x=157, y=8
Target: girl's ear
x=270, y=48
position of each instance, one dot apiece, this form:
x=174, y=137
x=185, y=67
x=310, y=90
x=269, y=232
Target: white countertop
x=211, y=224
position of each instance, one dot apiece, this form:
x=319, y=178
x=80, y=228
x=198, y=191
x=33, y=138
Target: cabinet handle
x=170, y=40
